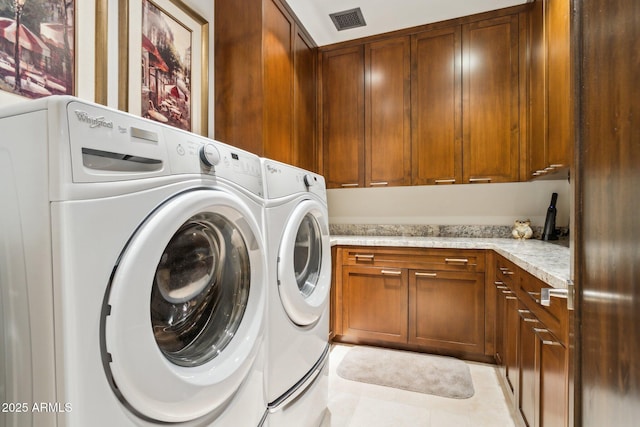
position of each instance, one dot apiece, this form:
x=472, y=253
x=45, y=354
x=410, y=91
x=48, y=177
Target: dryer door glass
x=200, y=290
x=307, y=255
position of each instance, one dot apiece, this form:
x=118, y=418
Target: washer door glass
x=200, y=290
x=184, y=313
x=307, y=256
x=304, y=263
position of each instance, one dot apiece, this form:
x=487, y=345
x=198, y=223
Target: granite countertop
x=547, y=261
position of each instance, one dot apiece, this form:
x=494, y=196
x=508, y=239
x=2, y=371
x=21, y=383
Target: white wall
x=464, y=204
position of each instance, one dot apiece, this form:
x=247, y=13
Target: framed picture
x=164, y=63
x=37, y=48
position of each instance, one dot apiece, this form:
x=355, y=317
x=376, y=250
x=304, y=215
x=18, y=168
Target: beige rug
x=422, y=373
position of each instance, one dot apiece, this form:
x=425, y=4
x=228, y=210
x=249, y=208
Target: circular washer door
x=304, y=263
x=186, y=307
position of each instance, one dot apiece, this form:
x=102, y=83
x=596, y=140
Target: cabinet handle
x=445, y=181
x=479, y=179
x=502, y=287
x=507, y=272
x=378, y=184
x=349, y=185
x=420, y=274
x=503, y=269
x=510, y=297
x=556, y=166
x=523, y=314
x=541, y=171
x=364, y=256
x=457, y=260
x=497, y=282
x=539, y=331
x=391, y=272
x=523, y=311
x=535, y=296
x=507, y=292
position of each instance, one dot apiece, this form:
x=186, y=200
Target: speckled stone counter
x=546, y=261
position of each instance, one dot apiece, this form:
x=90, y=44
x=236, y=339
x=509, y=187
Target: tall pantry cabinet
x=265, y=81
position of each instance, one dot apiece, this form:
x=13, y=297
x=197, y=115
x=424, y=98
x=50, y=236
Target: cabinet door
x=304, y=102
x=374, y=304
x=529, y=366
x=278, y=82
x=387, y=109
x=446, y=310
x=436, y=107
x=553, y=388
x=560, y=120
x=343, y=117
x=537, y=147
x=511, y=332
x=490, y=64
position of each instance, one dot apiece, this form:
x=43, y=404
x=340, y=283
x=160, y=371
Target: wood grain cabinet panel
x=491, y=114
x=447, y=310
x=387, y=109
x=265, y=81
x=343, y=117
x=551, y=136
x=375, y=304
x=436, y=107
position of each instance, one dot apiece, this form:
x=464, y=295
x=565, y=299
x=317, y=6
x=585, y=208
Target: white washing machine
x=299, y=271
x=132, y=272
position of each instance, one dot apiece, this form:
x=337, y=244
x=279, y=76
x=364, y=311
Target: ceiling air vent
x=346, y=19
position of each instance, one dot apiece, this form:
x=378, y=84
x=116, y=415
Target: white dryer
x=299, y=271
x=132, y=272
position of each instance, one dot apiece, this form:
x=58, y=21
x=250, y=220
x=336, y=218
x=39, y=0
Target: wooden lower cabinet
x=422, y=299
x=531, y=348
x=446, y=310
x=375, y=305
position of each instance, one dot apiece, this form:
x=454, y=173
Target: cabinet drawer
x=417, y=258
x=554, y=316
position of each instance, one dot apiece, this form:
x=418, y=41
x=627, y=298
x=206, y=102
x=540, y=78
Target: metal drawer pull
x=381, y=183
x=504, y=269
x=510, y=297
x=459, y=260
x=497, y=282
x=363, y=256
x=349, y=185
x=507, y=272
x=419, y=274
x=522, y=311
x=534, y=296
x=391, y=272
x=479, y=179
x=507, y=292
x=445, y=181
x=558, y=165
x=502, y=287
x=539, y=331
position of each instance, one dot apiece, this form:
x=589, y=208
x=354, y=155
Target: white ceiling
x=383, y=16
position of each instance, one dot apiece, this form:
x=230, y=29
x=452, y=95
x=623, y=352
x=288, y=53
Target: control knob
x=209, y=154
x=309, y=180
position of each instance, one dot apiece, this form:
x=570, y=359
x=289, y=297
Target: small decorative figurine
x=522, y=229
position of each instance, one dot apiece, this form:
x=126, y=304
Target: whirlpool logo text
x=94, y=122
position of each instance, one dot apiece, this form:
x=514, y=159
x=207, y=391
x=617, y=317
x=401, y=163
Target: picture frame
x=163, y=63
x=48, y=48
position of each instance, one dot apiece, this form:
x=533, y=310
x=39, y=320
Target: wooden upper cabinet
x=265, y=81
x=278, y=83
x=491, y=139
x=436, y=107
x=387, y=109
x=559, y=83
x=343, y=117
x=551, y=89
x=304, y=102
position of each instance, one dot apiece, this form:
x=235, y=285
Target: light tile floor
x=356, y=404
